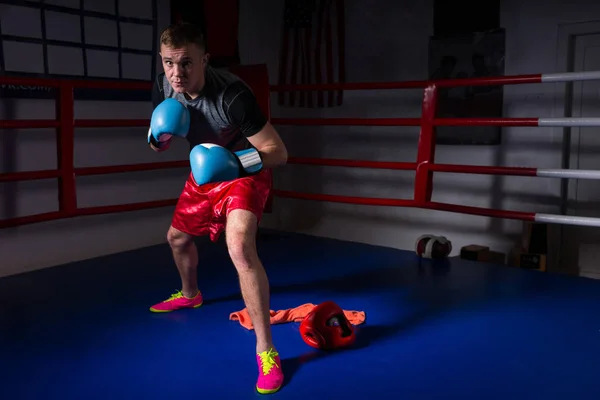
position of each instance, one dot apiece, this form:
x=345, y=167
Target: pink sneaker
x=177, y=301
x=270, y=375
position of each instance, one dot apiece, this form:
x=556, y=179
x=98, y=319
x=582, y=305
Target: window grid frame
x=81, y=13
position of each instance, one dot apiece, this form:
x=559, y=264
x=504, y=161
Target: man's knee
x=178, y=240
x=241, y=238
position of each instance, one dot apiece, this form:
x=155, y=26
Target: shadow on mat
x=378, y=278
x=366, y=335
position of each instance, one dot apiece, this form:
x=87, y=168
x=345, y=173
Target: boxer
x=233, y=149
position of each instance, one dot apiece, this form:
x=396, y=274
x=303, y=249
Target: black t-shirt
x=225, y=113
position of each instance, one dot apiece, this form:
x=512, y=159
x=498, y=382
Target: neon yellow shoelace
x=174, y=296
x=267, y=359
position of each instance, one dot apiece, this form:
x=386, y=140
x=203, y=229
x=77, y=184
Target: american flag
x=312, y=51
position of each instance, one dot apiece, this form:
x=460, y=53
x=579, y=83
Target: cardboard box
x=521, y=258
x=476, y=252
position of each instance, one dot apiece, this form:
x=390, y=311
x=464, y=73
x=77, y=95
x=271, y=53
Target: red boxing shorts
x=203, y=210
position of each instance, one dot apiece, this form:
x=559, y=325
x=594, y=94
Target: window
x=82, y=39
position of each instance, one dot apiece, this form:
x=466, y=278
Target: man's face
x=184, y=68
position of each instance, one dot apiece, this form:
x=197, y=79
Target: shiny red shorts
x=203, y=210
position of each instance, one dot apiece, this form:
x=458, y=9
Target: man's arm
x=244, y=111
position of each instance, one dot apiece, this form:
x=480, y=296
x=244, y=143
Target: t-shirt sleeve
x=243, y=109
x=157, y=92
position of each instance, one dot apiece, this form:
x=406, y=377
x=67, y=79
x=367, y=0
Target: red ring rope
x=424, y=165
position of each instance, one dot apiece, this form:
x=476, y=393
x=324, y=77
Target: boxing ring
x=434, y=329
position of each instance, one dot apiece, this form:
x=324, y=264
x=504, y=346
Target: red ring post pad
x=405, y=166
x=486, y=121
x=481, y=81
x=484, y=212
x=80, y=212
x=347, y=121
x=483, y=170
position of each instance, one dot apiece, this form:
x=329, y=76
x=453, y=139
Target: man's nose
x=178, y=70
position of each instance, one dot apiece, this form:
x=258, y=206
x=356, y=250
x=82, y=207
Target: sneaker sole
x=166, y=311
x=267, y=391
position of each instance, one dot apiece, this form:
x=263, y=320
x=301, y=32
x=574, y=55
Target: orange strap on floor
x=295, y=314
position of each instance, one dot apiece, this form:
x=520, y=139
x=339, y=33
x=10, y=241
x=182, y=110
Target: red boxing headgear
x=326, y=327
x=431, y=246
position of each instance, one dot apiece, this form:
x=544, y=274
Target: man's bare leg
x=240, y=234
x=185, y=255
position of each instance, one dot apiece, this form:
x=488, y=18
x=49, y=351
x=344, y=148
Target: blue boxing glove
x=212, y=163
x=169, y=118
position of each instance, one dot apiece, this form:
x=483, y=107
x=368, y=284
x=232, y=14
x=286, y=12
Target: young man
x=222, y=111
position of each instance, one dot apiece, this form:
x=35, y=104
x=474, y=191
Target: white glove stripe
x=249, y=159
